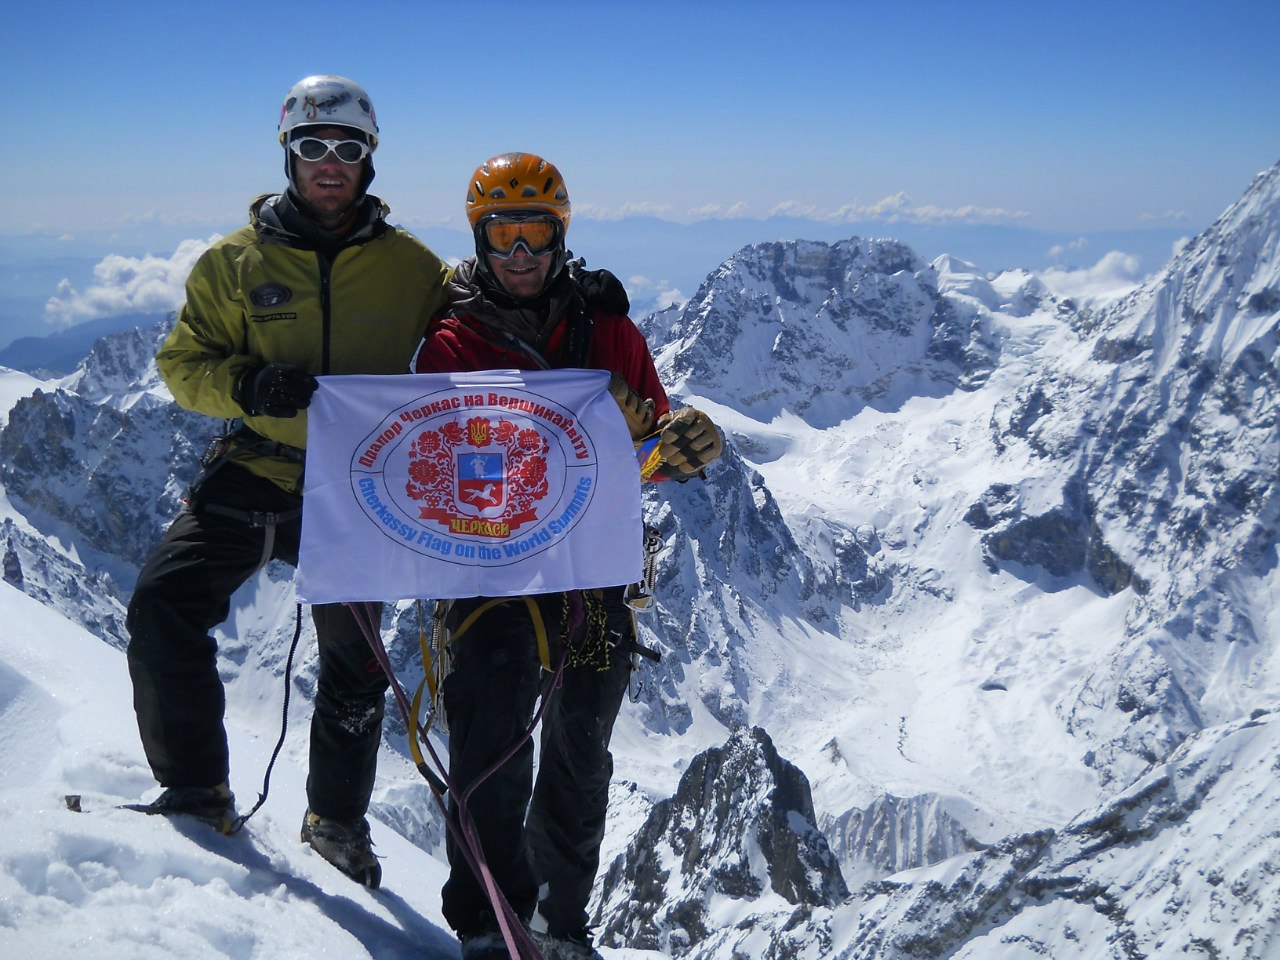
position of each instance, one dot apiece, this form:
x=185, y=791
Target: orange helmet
x=513, y=182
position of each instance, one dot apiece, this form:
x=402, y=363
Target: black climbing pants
x=184, y=591
x=490, y=697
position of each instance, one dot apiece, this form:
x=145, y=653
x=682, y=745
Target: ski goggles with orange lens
x=314, y=148
x=538, y=233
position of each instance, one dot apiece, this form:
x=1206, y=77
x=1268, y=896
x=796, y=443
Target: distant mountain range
x=58, y=354
x=661, y=261
x=968, y=642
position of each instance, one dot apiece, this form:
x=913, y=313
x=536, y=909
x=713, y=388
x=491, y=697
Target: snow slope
x=109, y=883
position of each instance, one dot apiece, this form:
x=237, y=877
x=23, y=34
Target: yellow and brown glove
x=689, y=442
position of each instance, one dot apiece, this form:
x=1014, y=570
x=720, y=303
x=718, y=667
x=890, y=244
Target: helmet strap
x=328, y=224
x=310, y=212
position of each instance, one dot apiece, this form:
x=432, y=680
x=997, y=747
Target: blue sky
x=158, y=120
x=1077, y=116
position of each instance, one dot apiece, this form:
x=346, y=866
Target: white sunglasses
x=313, y=148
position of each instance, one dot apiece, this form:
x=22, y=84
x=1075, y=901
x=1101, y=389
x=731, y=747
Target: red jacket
x=456, y=343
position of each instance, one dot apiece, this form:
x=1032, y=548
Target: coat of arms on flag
x=493, y=483
x=483, y=477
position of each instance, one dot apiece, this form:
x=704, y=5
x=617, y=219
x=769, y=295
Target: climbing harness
x=235, y=439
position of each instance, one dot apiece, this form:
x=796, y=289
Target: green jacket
x=278, y=291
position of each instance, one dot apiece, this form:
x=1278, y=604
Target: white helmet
x=328, y=101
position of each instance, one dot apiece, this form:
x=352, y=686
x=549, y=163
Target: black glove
x=600, y=289
x=275, y=389
x=690, y=441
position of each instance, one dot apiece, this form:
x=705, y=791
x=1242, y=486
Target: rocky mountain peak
x=820, y=330
x=740, y=826
x=120, y=369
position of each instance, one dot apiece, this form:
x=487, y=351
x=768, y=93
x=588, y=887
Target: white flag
x=492, y=483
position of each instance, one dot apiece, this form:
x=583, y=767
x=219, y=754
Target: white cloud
x=894, y=209
x=1113, y=276
x=716, y=211
x=1177, y=216
x=648, y=295
x=122, y=285
x=592, y=211
x=1057, y=250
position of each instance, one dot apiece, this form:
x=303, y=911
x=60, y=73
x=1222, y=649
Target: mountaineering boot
x=568, y=946
x=215, y=806
x=346, y=845
x=485, y=946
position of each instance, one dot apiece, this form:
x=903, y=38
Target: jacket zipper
x=326, y=270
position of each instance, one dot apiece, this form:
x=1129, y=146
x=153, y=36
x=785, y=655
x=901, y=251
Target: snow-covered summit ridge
x=1218, y=295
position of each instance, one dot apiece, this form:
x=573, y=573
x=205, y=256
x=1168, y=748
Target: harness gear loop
x=435, y=660
x=428, y=682
x=586, y=606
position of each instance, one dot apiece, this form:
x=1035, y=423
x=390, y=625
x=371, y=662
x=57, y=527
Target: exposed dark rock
x=740, y=823
x=69, y=461
x=12, y=565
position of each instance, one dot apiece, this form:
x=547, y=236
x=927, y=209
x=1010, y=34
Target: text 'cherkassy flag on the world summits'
x=493, y=483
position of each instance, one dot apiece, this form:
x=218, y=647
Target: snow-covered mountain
x=970, y=645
